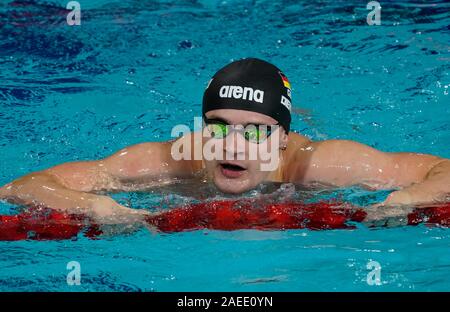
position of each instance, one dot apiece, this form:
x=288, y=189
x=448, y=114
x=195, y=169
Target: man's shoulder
x=297, y=141
x=293, y=165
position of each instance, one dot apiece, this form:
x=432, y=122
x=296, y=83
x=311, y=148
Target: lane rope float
x=227, y=215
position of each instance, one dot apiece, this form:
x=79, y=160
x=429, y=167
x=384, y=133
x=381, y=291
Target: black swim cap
x=251, y=84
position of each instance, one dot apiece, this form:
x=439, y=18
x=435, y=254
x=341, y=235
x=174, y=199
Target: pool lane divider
x=38, y=223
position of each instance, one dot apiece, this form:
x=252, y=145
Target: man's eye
x=217, y=130
x=252, y=134
x=256, y=134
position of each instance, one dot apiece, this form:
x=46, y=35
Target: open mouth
x=232, y=170
x=232, y=167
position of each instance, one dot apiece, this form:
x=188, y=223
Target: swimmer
x=246, y=108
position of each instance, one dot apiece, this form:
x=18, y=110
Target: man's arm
x=132, y=168
x=72, y=186
x=421, y=178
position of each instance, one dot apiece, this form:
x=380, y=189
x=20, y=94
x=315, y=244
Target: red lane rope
x=47, y=224
x=236, y=215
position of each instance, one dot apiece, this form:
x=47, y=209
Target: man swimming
x=246, y=110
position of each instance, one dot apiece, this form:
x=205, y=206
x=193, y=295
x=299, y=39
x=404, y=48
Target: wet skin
x=77, y=186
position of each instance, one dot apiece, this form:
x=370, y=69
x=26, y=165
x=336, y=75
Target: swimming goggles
x=252, y=132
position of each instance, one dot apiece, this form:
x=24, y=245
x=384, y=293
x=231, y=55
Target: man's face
x=239, y=165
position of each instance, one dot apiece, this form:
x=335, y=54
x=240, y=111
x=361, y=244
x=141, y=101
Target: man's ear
x=284, y=137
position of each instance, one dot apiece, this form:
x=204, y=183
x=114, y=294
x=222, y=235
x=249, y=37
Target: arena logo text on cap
x=244, y=93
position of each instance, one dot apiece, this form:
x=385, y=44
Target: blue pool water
x=134, y=69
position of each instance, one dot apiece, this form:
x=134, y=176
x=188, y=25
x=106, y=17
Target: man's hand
x=434, y=188
x=407, y=197
x=114, y=218
x=105, y=210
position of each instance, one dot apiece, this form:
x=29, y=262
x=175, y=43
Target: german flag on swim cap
x=285, y=80
x=250, y=84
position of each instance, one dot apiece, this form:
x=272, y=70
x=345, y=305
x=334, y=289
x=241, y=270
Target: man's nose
x=234, y=143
